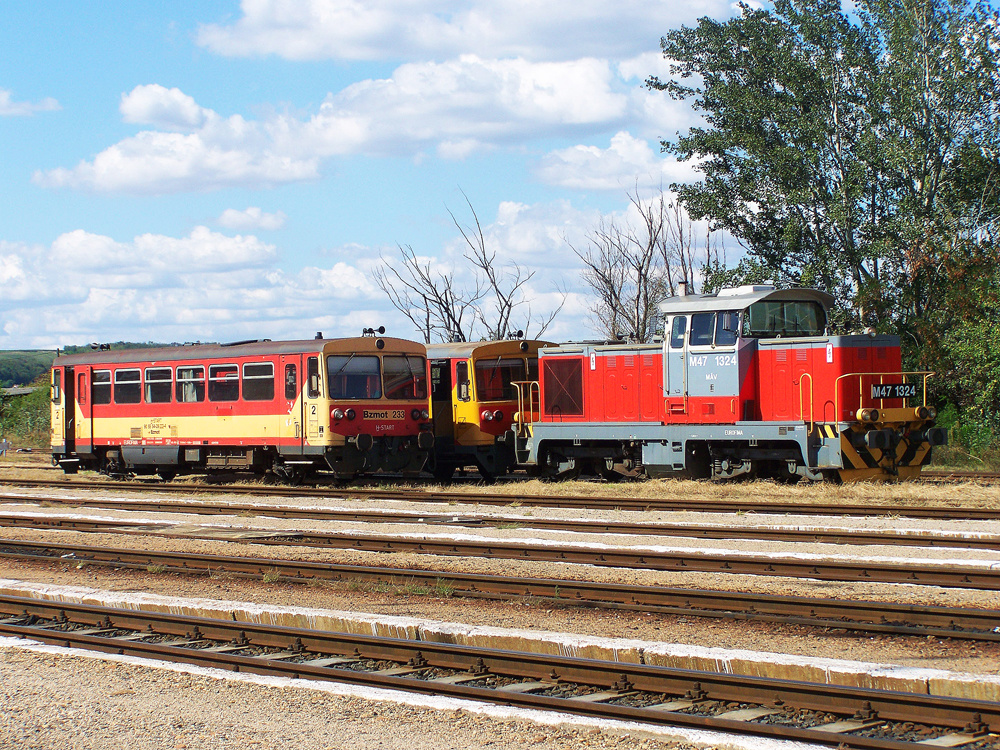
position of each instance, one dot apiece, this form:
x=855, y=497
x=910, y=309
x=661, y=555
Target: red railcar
x=349, y=406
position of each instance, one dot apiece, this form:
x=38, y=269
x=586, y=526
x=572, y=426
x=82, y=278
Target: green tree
x=854, y=154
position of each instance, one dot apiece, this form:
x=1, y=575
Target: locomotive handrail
x=802, y=411
x=519, y=419
x=882, y=376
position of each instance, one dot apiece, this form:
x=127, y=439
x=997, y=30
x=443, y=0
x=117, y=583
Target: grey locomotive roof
x=203, y=351
x=739, y=298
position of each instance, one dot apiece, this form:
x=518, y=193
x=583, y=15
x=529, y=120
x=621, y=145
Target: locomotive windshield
x=779, y=318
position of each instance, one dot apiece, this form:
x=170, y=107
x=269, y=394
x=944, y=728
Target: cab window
x=494, y=378
x=702, y=328
x=405, y=377
x=353, y=377
x=677, y=331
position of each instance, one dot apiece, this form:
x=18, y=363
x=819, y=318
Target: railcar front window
x=128, y=387
x=405, y=377
x=190, y=385
x=776, y=318
x=258, y=381
x=102, y=386
x=159, y=384
x=353, y=377
x=494, y=378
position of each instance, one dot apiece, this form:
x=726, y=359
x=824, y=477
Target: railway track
x=825, y=613
x=969, y=576
x=696, y=531
x=781, y=709
x=931, y=510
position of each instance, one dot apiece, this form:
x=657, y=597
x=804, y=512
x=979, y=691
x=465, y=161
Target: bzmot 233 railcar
x=349, y=406
x=746, y=382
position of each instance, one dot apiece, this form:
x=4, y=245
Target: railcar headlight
x=351, y=414
x=498, y=415
x=487, y=415
x=424, y=414
x=922, y=412
x=868, y=415
x=415, y=414
x=338, y=413
x=931, y=412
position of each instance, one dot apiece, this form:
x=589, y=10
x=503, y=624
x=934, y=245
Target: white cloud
x=456, y=107
x=212, y=286
x=392, y=30
x=9, y=108
x=627, y=162
x=251, y=218
x=163, y=108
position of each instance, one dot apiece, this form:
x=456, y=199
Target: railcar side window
x=223, y=382
x=702, y=327
x=494, y=378
x=775, y=318
x=405, y=377
x=258, y=381
x=677, y=332
x=353, y=377
x=562, y=383
x=312, y=377
x=291, y=382
x=533, y=368
x=462, y=380
x=56, y=386
x=102, y=386
x=190, y=385
x=128, y=386
x=159, y=384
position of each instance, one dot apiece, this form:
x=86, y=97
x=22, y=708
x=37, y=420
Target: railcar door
x=441, y=400
x=69, y=412
x=312, y=398
x=291, y=368
x=84, y=412
x=675, y=379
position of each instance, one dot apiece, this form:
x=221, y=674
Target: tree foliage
x=845, y=152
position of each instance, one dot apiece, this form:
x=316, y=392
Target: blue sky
x=222, y=170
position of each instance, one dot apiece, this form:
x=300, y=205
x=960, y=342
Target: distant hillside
x=22, y=367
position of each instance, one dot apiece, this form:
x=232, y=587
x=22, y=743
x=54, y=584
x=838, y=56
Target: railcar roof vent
x=746, y=289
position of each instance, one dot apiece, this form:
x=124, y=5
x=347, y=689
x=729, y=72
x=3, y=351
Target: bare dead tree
x=428, y=297
x=494, y=300
x=631, y=269
x=505, y=287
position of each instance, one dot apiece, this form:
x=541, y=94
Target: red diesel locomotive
x=350, y=406
x=746, y=382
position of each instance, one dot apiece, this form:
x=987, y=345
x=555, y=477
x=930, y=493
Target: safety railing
x=529, y=399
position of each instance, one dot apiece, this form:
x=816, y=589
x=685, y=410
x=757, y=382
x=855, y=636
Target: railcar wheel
x=166, y=476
